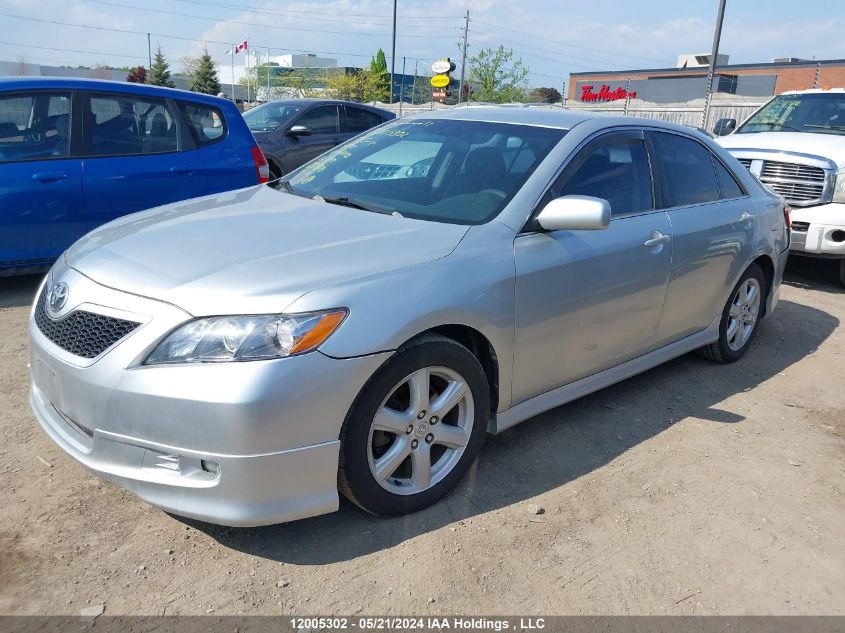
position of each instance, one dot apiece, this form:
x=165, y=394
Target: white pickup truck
x=795, y=144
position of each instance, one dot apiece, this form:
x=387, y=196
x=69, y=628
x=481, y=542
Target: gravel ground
x=691, y=489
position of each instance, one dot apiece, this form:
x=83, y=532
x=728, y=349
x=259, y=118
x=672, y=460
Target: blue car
x=77, y=153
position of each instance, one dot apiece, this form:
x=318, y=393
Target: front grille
x=802, y=227
x=81, y=333
x=800, y=184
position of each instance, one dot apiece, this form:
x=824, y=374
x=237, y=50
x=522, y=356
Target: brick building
x=678, y=85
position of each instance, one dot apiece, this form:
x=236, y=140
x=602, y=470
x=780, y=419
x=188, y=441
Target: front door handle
x=49, y=176
x=746, y=218
x=657, y=238
x=181, y=169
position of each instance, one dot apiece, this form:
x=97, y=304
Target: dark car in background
x=77, y=153
x=291, y=132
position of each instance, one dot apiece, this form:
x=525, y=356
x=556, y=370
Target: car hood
x=829, y=146
x=253, y=250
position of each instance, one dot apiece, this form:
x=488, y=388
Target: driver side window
x=322, y=120
x=614, y=167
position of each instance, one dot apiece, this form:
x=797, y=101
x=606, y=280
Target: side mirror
x=724, y=126
x=299, y=130
x=575, y=213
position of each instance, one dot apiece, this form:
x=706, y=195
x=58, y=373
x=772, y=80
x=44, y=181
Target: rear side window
x=322, y=120
x=34, y=126
x=120, y=125
x=206, y=124
x=688, y=175
x=358, y=120
x=728, y=186
x=615, y=168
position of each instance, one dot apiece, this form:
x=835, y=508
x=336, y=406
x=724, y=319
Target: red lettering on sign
x=605, y=94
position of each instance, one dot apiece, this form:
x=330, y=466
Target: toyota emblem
x=57, y=297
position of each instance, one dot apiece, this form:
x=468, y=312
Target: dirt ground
x=694, y=488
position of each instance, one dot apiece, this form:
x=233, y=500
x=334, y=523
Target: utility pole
x=402, y=87
x=414, y=92
x=393, y=52
x=712, y=70
x=463, y=58
x=149, y=53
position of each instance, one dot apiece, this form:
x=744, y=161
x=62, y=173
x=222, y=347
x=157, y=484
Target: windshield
x=463, y=172
x=269, y=116
x=815, y=112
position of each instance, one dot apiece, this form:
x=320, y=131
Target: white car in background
x=795, y=145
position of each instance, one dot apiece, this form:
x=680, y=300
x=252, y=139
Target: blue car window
x=34, y=126
x=206, y=123
x=121, y=124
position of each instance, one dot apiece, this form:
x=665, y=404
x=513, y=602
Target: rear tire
x=842, y=271
x=740, y=318
x=415, y=428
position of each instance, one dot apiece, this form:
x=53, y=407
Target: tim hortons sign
x=605, y=94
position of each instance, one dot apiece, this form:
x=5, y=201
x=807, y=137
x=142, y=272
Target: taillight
x=786, y=217
x=262, y=167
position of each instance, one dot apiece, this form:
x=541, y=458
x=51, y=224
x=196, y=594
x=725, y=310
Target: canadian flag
x=238, y=48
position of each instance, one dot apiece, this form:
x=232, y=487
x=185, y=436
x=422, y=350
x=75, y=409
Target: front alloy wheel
x=415, y=428
x=421, y=430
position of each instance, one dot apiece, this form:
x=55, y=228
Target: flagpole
x=248, y=78
x=233, y=74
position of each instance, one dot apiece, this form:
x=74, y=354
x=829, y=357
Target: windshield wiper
x=279, y=183
x=343, y=201
x=825, y=127
x=772, y=124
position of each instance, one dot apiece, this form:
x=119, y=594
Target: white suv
x=795, y=144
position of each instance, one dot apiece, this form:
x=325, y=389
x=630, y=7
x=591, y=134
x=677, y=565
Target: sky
x=552, y=37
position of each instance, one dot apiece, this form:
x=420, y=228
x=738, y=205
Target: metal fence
x=681, y=113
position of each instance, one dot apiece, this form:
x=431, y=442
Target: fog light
x=838, y=235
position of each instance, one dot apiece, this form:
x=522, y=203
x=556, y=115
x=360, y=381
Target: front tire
x=740, y=318
x=415, y=428
x=842, y=271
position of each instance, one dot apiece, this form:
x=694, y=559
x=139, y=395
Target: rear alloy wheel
x=739, y=318
x=415, y=429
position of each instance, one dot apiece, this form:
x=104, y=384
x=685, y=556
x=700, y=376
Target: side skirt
x=556, y=397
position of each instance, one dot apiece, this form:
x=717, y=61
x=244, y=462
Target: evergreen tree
x=380, y=77
x=159, y=74
x=205, y=77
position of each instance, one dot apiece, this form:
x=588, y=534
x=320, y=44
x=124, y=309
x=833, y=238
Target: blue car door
x=133, y=156
x=41, y=210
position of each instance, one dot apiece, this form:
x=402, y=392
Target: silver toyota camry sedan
x=360, y=326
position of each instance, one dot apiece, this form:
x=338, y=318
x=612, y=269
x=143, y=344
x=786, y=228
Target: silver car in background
x=242, y=358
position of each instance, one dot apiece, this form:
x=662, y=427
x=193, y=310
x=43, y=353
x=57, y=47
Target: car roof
x=314, y=101
x=77, y=83
x=552, y=117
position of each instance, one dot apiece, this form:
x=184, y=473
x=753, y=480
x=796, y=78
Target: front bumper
x=242, y=444
x=819, y=231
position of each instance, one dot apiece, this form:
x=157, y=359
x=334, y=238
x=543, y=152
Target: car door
x=712, y=228
x=41, y=210
x=132, y=156
x=589, y=300
x=323, y=122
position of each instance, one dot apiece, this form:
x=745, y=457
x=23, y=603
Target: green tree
x=379, y=78
x=354, y=86
x=497, y=76
x=203, y=75
x=159, y=74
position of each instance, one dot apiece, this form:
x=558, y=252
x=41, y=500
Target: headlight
x=241, y=338
x=839, y=187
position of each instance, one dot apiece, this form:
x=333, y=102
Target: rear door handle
x=657, y=238
x=746, y=217
x=49, y=176
x=180, y=169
